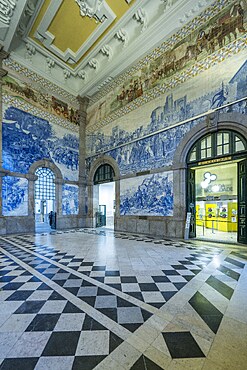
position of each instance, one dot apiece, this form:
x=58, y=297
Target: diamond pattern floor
x=88, y=299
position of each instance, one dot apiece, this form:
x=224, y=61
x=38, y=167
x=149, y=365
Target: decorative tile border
x=23, y=71
x=23, y=105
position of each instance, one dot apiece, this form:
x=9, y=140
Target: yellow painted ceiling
x=70, y=29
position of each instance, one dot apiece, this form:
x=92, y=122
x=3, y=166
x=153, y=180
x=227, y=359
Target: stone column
x=82, y=156
x=3, y=72
x=31, y=194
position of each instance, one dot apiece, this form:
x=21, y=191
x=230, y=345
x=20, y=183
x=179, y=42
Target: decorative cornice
x=50, y=62
x=82, y=74
x=6, y=11
x=83, y=103
x=93, y=63
x=66, y=74
x=107, y=51
x=141, y=17
x=90, y=9
x=122, y=35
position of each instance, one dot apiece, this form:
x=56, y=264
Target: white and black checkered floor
x=90, y=299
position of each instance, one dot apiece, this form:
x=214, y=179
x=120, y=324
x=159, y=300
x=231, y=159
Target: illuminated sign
x=216, y=160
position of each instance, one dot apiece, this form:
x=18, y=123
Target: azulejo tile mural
x=28, y=138
x=70, y=199
x=39, y=98
x=15, y=196
x=148, y=137
x=150, y=195
x=223, y=24
x=157, y=150
x=195, y=97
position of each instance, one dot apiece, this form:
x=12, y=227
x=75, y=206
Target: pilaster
x=3, y=72
x=83, y=105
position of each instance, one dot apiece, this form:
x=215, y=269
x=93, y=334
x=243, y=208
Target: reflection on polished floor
x=215, y=235
x=97, y=299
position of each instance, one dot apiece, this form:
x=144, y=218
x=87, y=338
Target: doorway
x=104, y=197
x=216, y=202
x=217, y=187
x=44, y=199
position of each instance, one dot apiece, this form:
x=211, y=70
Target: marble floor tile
x=93, y=343
x=95, y=299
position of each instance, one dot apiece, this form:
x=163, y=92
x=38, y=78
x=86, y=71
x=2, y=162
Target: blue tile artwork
x=15, y=196
x=70, y=200
x=157, y=150
x=28, y=138
x=149, y=195
x=174, y=111
x=152, y=152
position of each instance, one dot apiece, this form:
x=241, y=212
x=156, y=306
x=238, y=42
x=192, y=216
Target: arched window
x=104, y=173
x=217, y=144
x=44, y=186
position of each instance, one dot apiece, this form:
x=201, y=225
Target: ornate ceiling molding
x=145, y=25
x=104, y=14
x=6, y=11
x=90, y=8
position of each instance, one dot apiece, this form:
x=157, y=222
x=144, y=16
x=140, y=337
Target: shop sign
x=216, y=160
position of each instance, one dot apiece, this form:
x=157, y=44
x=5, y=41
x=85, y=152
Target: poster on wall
x=70, y=200
x=15, y=196
x=149, y=195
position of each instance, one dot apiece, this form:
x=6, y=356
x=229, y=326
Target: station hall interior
x=123, y=181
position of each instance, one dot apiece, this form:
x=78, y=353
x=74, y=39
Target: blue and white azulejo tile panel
x=28, y=139
x=15, y=196
x=149, y=195
x=70, y=202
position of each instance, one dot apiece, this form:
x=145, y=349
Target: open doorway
x=217, y=187
x=104, y=197
x=216, y=202
x=107, y=202
x=44, y=200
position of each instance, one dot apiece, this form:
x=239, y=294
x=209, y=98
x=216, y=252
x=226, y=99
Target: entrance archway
x=216, y=186
x=103, y=192
x=44, y=199
x=104, y=196
x=54, y=177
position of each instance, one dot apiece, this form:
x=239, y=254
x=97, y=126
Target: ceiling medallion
x=90, y=8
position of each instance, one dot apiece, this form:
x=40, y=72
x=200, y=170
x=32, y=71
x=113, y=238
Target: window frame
x=104, y=173
x=44, y=185
x=197, y=147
